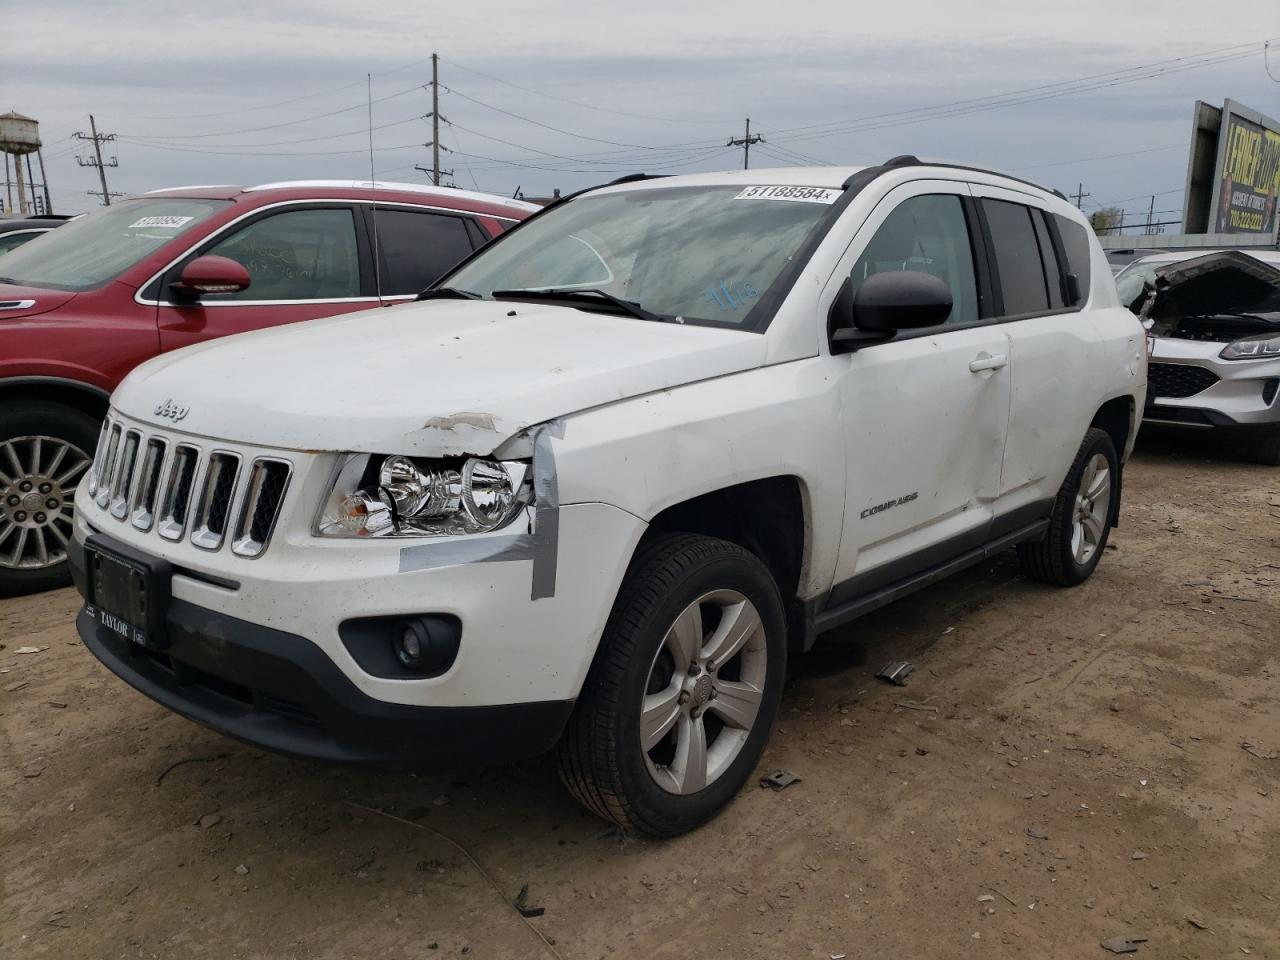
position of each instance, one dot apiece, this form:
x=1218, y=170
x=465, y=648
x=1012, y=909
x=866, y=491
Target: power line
x=274, y=126
x=945, y=111
x=1104, y=156
x=576, y=103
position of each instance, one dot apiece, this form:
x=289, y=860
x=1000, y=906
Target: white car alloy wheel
x=38, y=479
x=705, y=687
x=1093, y=507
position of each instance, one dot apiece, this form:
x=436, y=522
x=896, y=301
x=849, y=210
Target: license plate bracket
x=127, y=592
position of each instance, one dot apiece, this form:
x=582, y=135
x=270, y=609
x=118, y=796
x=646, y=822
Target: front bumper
x=282, y=692
x=1236, y=394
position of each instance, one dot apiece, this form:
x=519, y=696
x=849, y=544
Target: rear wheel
x=45, y=451
x=677, y=707
x=1081, y=518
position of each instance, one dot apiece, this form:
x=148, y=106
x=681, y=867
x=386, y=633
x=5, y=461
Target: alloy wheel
x=1092, y=508
x=38, y=480
x=704, y=692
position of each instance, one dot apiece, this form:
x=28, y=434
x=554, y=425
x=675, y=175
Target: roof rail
x=910, y=160
x=634, y=177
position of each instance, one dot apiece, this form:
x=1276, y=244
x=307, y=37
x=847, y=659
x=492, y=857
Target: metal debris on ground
x=779, y=780
x=1037, y=833
x=521, y=904
x=1248, y=746
x=1196, y=922
x=1123, y=944
x=30, y=649
x=914, y=705
x=896, y=672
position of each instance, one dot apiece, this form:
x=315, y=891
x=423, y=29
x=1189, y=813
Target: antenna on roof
x=373, y=193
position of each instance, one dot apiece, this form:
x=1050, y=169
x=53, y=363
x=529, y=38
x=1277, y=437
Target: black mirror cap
x=901, y=300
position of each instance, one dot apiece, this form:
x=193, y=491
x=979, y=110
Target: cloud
x=219, y=73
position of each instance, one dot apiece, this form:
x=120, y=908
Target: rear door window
x=1017, y=257
x=418, y=248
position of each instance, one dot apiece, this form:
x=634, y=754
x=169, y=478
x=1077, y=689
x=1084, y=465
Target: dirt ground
x=1063, y=767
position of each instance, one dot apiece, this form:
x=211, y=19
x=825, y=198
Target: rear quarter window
x=1075, y=244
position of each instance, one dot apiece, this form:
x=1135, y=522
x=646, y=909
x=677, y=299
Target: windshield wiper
x=7, y=280
x=590, y=295
x=446, y=293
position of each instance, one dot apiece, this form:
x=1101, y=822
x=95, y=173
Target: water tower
x=19, y=136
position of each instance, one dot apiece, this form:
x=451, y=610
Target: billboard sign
x=1233, y=176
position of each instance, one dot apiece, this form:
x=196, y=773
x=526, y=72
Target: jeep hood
x=19, y=301
x=1215, y=285
x=432, y=378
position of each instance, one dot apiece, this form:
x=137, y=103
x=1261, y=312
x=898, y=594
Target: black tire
x=1052, y=559
x=46, y=419
x=601, y=759
x=1262, y=445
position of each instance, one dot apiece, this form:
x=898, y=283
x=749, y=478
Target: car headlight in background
x=399, y=496
x=1265, y=345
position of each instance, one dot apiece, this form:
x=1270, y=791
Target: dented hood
x=1217, y=284
x=434, y=378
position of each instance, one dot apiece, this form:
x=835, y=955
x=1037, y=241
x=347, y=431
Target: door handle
x=985, y=361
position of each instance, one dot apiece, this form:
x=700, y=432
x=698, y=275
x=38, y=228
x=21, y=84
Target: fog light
x=411, y=639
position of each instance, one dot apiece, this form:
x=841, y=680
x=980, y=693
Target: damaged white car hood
x=433, y=378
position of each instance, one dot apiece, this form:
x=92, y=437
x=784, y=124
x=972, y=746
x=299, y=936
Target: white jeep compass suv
x=591, y=491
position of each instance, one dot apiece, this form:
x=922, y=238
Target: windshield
x=1129, y=281
x=89, y=251
x=699, y=254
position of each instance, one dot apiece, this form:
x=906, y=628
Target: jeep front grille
x=1177, y=380
x=176, y=489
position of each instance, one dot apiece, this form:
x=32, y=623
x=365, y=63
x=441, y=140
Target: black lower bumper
x=1186, y=416
x=280, y=691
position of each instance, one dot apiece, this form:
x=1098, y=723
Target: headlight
x=400, y=496
x=1262, y=346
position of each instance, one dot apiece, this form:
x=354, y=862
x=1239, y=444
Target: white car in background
x=1214, y=319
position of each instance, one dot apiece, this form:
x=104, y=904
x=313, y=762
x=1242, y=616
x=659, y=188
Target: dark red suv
x=83, y=305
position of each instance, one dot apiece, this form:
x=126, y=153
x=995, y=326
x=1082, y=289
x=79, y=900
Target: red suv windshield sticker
x=171, y=223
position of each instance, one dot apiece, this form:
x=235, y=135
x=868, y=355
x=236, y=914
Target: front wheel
x=1081, y=518
x=45, y=451
x=678, y=705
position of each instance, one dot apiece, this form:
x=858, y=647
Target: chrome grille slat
x=106, y=478
x=213, y=508
x=143, y=513
x=174, y=486
x=268, y=483
x=177, y=491
x=122, y=483
x=99, y=454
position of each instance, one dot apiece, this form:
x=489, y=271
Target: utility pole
x=98, y=139
x=1150, y=216
x=434, y=171
x=44, y=180
x=8, y=186
x=745, y=143
x=1080, y=195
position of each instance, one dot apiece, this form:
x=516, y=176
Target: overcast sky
x=197, y=92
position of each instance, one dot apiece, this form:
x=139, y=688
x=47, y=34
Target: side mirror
x=210, y=274
x=884, y=304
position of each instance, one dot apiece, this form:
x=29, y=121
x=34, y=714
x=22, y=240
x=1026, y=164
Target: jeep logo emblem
x=172, y=411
